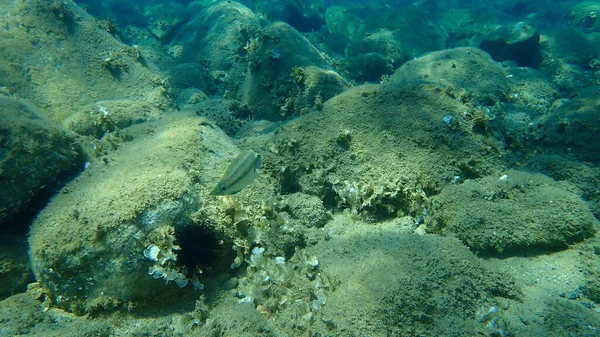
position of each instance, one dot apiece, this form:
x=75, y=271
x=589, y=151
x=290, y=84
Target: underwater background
x=299, y=168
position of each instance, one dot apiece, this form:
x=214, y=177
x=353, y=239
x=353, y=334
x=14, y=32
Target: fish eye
x=222, y=188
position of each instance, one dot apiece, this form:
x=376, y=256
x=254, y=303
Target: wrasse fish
x=239, y=174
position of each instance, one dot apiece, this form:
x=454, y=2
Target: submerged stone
x=514, y=212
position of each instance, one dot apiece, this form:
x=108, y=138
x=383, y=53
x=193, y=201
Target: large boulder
x=215, y=41
x=119, y=232
x=87, y=66
x=37, y=156
x=272, y=73
x=410, y=285
x=381, y=149
x=305, y=17
x=584, y=14
x=513, y=213
x=518, y=43
x=468, y=73
x=287, y=75
x=375, y=39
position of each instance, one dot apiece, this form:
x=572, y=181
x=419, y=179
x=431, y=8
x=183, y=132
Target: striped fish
x=239, y=174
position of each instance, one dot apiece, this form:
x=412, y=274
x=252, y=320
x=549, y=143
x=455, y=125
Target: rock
x=344, y=22
x=584, y=175
x=469, y=73
x=89, y=66
x=518, y=43
x=374, y=41
x=591, y=288
x=217, y=38
x=374, y=55
x=252, y=65
x=95, y=244
x=511, y=213
x=348, y=153
x=37, y=156
x=584, y=14
x=296, y=72
x=304, y=17
x=191, y=75
x=370, y=67
x=214, y=109
x=306, y=208
x=103, y=117
x=573, y=128
x=20, y=315
x=15, y=273
x=418, y=283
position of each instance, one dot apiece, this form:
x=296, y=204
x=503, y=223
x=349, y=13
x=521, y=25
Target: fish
x=240, y=173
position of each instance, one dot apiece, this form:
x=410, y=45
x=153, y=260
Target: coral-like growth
x=164, y=255
x=274, y=284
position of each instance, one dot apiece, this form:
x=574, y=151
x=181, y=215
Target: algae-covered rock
x=565, y=317
x=27, y=314
x=218, y=111
x=369, y=67
x=15, y=273
x=376, y=38
x=304, y=16
x=469, y=73
x=343, y=22
x=380, y=27
x=184, y=76
x=103, y=117
x=585, y=176
x=398, y=284
x=584, y=14
x=306, y=208
x=287, y=74
x=273, y=72
x=381, y=149
x=511, y=213
x=568, y=55
x=216, y=37
x=36, y=157
x=116, y=234
x=591, y=269
x=412, y=26
x=532, y=88
x=573, y=128
x=374, y=55
x=57, y=56
x=518, y=43
x=21, y=314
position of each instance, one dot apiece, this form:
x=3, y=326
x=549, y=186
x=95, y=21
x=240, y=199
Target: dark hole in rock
x=200, y=247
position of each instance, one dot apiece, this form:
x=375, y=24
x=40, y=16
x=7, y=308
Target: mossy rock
x=90, y=65
x=511, y=213
x=287, y=74
x=377, y=148
x=469, y=74
x=37, y=156
x=586, y=15
x=88, y=247
x=573, y=128
x=398, y=284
